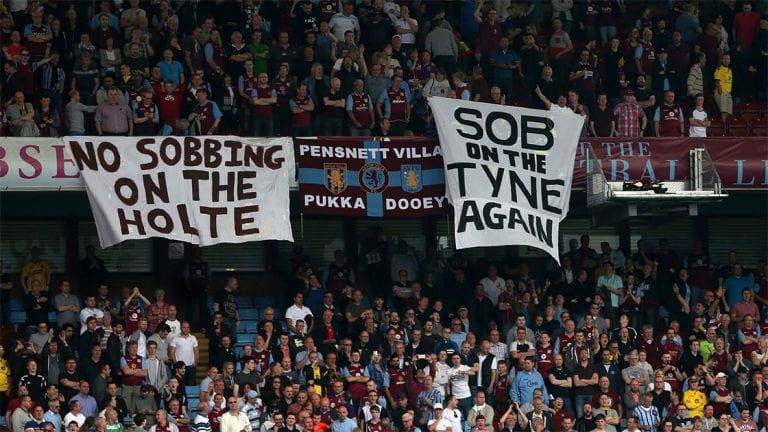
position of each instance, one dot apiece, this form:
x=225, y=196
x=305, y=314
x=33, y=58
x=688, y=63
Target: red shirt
x=169, y=104
x=746, y=27
x=490, y=34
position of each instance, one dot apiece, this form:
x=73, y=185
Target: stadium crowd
x=655, y=341
x=323, y=67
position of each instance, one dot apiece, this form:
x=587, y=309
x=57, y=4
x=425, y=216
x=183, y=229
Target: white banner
x=508, y=171
x=37, y=164
x=201, y=190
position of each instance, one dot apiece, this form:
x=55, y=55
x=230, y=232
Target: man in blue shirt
x=170, y=68
x=343, y=423
x=504, y=62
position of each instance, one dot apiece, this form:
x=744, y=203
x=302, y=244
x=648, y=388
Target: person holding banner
x=559, y=106
x=335, y=104
x=360, y=111
x=146, y=116
x=263, y=98
x=113, y=117
x=205, y=116
x=397, y=109
x=302, y=108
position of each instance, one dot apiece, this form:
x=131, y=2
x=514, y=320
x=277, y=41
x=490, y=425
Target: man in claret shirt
x=206, y=116
x=169, y=99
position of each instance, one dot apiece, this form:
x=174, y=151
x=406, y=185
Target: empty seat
x=244, y=302
x=192, y=391
x=716, y=130
x=17, y=305
x=249, y=314
x=263, y=302
x=244, y=339
x=250, y=326
x=18, y=317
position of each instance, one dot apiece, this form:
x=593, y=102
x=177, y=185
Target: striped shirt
x=648, y=417
x=200, y=424
x=254, y=412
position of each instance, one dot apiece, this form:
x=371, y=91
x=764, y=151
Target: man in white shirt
x=140, y=337
x=699, y=119
x=90, y=310
x=74, y=414
x=452, y=413
x=439, y=424
x=234, y=420
x=174, y=325
x=561, y=104
x=459, y=379
x=344, y=21
x=493, y=284
x=297, y=311
x=184, y=348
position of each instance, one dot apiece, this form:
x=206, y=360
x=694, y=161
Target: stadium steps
x=204, y=360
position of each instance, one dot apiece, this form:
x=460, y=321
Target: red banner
x=375, y=177
x=742, y=163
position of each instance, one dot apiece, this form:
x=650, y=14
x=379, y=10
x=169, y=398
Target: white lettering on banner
x=414, y=203
x=326, y=201
x=328, y=151
x=203, y=190
x=508, y=171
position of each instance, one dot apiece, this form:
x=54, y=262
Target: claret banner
x=508, y=171
x=375, y=177
x=202, y=190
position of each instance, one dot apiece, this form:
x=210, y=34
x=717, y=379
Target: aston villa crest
x=335, y=177
x=373, y=178
x=410, y=179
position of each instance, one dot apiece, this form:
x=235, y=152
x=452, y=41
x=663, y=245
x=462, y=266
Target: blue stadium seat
x=250, y=326
x=249, y=314
x=193, y=391
x=262, y=302
x=239, y=351
x=52, y=316
x=17, y=305
x=244, y=339
x=18, y=317
x=244, y=302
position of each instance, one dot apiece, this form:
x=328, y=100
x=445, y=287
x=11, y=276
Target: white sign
x=508, y=171
x=201, y=190
x=37, y=164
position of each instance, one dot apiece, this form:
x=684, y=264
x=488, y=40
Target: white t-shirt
x=175, y=326
x=185, y=349
x=70, y=417
x=698, y=131
x=460, y=382
x=87, y=313
x=442, y=424
x=556, y=107
x=339, y=24
x=454, y=416
x=493, y=288
x=406, y=38
x=295, y=313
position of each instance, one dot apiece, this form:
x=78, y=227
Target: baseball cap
x=252, y=394
x=721, y=375
x=437, y=406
